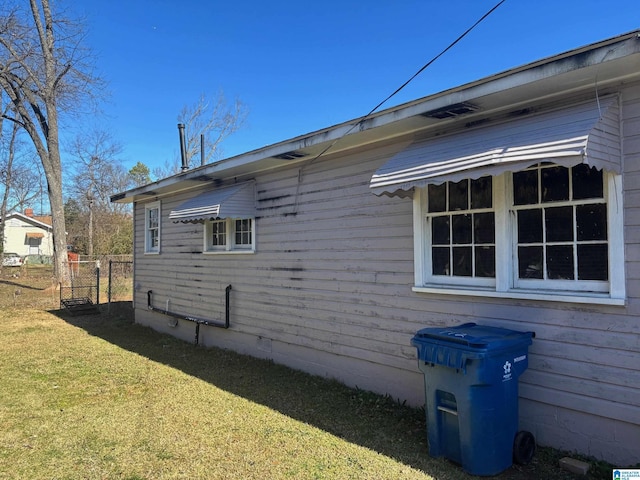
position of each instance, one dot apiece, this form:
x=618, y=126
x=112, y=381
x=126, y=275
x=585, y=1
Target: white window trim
x=505, y=260
x=452, y=281
x=230, y=247
x=148, y=250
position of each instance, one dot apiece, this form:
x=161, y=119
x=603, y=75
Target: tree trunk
x=53, y=173
x=59, y=230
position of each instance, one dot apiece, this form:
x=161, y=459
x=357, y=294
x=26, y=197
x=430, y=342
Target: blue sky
x=302, y=66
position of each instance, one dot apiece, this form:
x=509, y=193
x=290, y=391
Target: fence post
x=109, y=287
x=98, y=282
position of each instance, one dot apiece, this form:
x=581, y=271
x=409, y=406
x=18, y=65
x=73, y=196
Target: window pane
x=525, y=187
x=530, y=226
x=485, y=262
x=462, y=242
x=243, y=231
x=592, y=222
x=555, y=184
x=587, y=182
x=484, y=228
x=593, y=262
x=558, y=222
x=560, y=262
x=437, y=198
x=153, y=218
x=481, y=192
x=153, y=238
x=461, y=228
x=440, y=230
x=218, y=233
x=459, y=195
x=462, y=261
x=440, y=260
x=530, y=262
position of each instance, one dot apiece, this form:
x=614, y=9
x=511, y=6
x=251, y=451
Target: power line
x=422, y=69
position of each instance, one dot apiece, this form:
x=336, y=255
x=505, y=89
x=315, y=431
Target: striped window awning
x=586, y=133
x=237, y=201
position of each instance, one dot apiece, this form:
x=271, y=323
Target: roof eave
x=31, y=220
x=596, y=65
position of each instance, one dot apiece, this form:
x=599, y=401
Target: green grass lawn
x=98, y=397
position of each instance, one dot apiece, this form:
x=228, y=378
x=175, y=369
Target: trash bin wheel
x=524, y=447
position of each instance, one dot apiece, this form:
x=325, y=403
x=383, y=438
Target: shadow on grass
x=24, y=285
x=370, y=420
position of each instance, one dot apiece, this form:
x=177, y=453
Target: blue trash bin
x=471, y=395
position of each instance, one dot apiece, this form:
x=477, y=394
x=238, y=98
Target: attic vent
x=290, y=155
x=451, y=111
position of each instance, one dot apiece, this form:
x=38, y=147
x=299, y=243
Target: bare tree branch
x=215, y=119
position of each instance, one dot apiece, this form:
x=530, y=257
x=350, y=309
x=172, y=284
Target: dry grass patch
x=28, y=286
x=98, y=397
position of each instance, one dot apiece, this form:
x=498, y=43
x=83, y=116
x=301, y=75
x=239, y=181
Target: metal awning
x=237, y=201
x=34, y=235
x=586, y=133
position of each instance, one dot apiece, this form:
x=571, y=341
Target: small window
x=218, y=236
x=229, y=235
x=461, y=225
x=152, y=228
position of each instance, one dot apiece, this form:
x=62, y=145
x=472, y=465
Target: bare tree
x=216, y=119
x=6, y=179
x=98, y=172
x=44, y=72
x=19, y=184
x=25, y=187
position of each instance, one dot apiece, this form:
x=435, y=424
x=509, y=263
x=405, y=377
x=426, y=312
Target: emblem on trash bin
x=507, y=371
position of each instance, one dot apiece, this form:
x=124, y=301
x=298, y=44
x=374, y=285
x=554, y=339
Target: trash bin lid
x=452, y=346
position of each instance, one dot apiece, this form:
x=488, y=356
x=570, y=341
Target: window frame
x=506, y=266
x=452, y=280
x=230, y=246
x=149, y=249
x=563, y=285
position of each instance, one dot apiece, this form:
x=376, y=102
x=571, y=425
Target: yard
x=33, y=285
x=100, y=397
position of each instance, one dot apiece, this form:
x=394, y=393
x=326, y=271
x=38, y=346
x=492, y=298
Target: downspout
x=197, y=320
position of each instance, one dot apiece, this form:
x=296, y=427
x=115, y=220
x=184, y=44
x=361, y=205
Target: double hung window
x=152, y=228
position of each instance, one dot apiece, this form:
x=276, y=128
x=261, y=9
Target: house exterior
x=28, y=234
x=512, y=201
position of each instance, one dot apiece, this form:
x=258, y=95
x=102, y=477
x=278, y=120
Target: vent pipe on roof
x=202, y=149
x=183, y=148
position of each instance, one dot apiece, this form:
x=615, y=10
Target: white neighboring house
x=26, y=234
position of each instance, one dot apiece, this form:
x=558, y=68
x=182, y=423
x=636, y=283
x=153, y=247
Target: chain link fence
x=120, y=283
x=101, y=279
